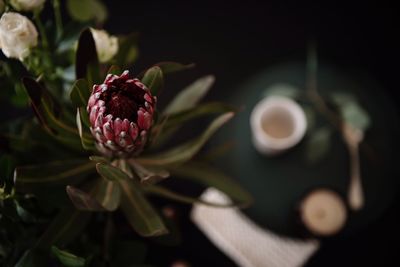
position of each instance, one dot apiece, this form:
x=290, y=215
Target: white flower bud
x=27, y=5
x=106, y=45
x=17, y=35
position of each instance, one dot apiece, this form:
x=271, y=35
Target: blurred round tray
x=279, y=183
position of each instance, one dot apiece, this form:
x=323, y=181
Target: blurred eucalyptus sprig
x=90, y=146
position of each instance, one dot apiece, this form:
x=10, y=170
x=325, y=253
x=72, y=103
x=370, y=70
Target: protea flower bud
x=121, y=115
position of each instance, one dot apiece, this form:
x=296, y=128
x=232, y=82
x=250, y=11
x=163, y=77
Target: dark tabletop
x=235, y=41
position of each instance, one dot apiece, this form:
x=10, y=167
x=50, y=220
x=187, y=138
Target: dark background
x=237, y=40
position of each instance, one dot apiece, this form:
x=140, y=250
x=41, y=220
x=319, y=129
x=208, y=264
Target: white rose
x=27, y=5
x=17, y=35
x=106, y=45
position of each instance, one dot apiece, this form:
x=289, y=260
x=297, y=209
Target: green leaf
x=104, y=196
x=68, y=259
x=108, y=194
x=200, y=110
x=87, y=62
x=87, y=140
x=80, y=93
x=127, y=50
x=82, y=200
x=84, y=117
x=139, y=212
x=28, y=178
x=190, y=96
x=110, y=173
x=168, y=67
x=211, y=177
x=318, y=144
x=153, y=79
x=148, y=174
x=186, y=151
x=282, y=89
x=165, y=193
x=115, y=70
x=98, y=159
x=351, y=111
x=163, y=131
x=356, y=116
x=48, y=114
x=68, y=224
x=86, y=10
x=7, y=165
x=31, y=258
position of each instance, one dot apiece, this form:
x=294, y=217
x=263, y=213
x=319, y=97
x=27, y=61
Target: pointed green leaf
x=32, y=258
x=110, y=173
x=29, y=178
x=108, y=194
x=139, y=212
x=190, y=96
x=87, y=63
x=115, y=70
x=153, y=79
x=211, y=177
x=351, y=111
x=80, y=93
x=68, y=224
x=356, y=116
x=98, y=159
x=68, y=259
x=48, y=114
x=200, y=110
x=186, y=151
x=87, y=140
x=168, y=67
x=148, y=174
x=104, y=195
x=127, y=50
x=84, y=117
x=163, y=131
x=165, y=193
x=82, y=200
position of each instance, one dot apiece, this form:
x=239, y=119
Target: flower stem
x=58, y=18
x=45, y=42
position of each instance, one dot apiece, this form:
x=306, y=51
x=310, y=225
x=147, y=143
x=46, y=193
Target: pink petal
x=124, y=75
x=108, y=131
x=144, y=119
x=148, y=98
x=117, y=126
x=99, y=121
x=133, y=131
x=92, y=101
x=125, y=125
x=93, y=115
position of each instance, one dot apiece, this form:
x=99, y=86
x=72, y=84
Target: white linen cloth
x=246, y=243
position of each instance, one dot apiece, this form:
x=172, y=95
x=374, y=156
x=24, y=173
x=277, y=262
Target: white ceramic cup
x=277, y=124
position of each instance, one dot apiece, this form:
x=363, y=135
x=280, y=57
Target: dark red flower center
x=123, y=100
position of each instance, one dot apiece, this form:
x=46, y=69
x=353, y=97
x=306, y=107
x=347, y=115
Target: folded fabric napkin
x=246, y=243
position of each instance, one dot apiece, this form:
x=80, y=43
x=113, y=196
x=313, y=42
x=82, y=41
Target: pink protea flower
x=121, y=114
